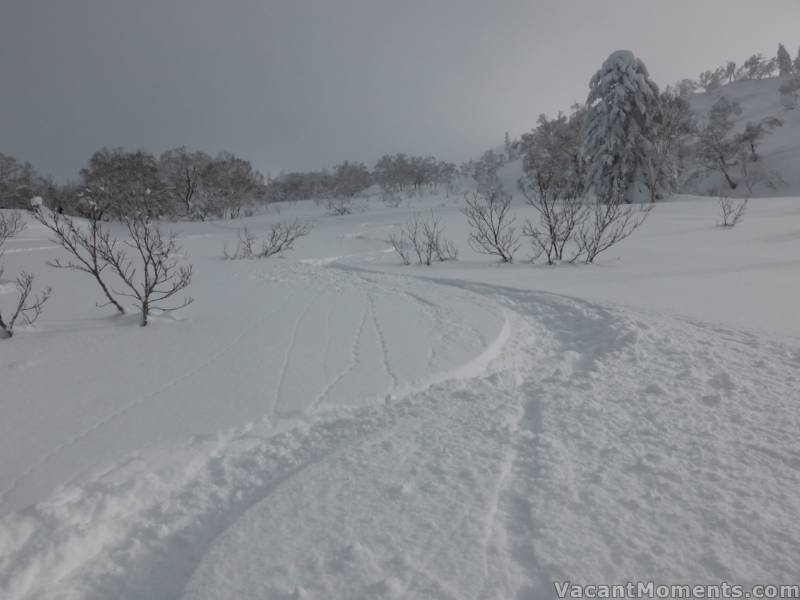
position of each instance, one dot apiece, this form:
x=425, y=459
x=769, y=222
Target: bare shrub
x=340, y=206
x=732, y=211
x=425, y=237
x=606, y=225
x=279, y=238
x=491, y=223
x=11, y=224
x=153, y=276
x=28, y=306
x=560, y=217
x=83, y=243
x=402, y=246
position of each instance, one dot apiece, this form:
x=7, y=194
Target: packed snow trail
x=587, y=445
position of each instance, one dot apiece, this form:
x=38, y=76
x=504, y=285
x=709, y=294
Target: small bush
x=732, y=212
x=279, y=238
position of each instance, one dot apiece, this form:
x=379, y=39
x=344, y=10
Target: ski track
x=355, y=358
x=382, y=341
x=490, y=486
x=288, y=358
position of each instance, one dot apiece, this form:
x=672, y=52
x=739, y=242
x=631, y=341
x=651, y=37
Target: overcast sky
x=303, y=84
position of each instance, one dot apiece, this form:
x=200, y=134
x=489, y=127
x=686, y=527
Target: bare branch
x=492, y=225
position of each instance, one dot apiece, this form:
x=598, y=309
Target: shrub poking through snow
x=491, y=224
x=606, y=225
x=340, y=206
x=732, y=212
x=83, y=242
x=153, y=275
x=561, y=214
x=28, y=306
x=425, y=239
x=279, y=238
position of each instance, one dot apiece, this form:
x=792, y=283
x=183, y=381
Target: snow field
x=333, y=425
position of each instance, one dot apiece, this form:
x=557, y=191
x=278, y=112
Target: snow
x=779, y=151
x=331, y=424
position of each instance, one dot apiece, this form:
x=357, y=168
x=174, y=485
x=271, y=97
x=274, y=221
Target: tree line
x=190, y=184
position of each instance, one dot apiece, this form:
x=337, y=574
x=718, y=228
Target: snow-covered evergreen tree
x=785, y=66
x=622, y=103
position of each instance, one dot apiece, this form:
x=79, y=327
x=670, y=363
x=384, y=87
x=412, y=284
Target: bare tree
x=28, y=306
x=87, y=244
x=182, y=172
x=340, y=205
x=717, y=146
x=11, y=224
x=402, y=245
x=426, y=238
x=608, y=224
x=154, y=275
x=560, y=216
x=279, y=238
x=754, y=133
x=732, y=212
x=492, y=224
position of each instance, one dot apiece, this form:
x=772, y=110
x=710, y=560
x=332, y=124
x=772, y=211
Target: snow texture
x=332, y=424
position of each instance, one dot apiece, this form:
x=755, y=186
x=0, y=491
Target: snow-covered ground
x=332, y=424
x=779, y=152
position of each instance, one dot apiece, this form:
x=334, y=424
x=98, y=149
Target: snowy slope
x=334, y=425
x=780, y=151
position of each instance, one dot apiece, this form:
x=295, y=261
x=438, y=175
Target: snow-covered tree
x=753, y=133
x=757, y=67
x=717, y=147
x=622, y=103
x=712, y=80
x=665, y=162
x=730, y=71
x=797, y=62
x=182, y=173
x=785, y=65
x=790, y=92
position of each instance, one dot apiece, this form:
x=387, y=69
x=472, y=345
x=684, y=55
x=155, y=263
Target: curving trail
x=422, y=439
x=488, y=485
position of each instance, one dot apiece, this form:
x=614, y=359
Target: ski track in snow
x=355, y=358
x=382, y=341
x=569, y=450
x=279, y=389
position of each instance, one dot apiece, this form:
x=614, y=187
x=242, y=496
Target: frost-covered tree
x=18, y=182
x=730, y=71
x=621, y=105
x=790, y=92
x=711, y=80
x=508, y=146
x=182, y=172
x=785, y=65
x=757, y=67
x=686, y=87
x=717, y=146
x=753, y=133
x=126, y=182
x=797, y=61
x=666, y=160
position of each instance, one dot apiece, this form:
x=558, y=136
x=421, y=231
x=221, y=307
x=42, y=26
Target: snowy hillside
x=780, y=151
x=332, y=424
